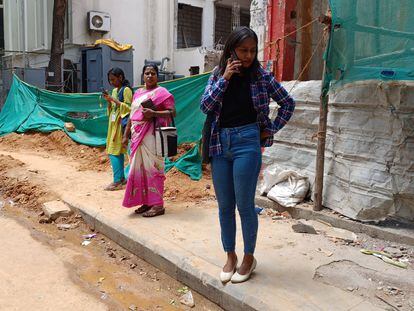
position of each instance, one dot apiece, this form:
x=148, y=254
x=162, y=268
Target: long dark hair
x=118, y=72
x=236, y=37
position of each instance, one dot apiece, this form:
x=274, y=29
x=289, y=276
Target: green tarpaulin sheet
x=30, y=108
x=370, y=40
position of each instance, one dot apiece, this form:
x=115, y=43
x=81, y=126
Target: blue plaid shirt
x=262, y=89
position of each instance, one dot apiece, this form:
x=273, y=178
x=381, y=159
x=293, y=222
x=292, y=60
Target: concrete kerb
x=347, y=224
x=175, y=263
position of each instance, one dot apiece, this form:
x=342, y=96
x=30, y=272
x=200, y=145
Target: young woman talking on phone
x=238, y=94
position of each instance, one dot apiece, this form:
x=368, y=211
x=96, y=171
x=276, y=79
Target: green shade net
x=29, y=108
x=189, y=163
x=370, y=40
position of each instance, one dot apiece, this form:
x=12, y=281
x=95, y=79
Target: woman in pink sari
x=151, y=105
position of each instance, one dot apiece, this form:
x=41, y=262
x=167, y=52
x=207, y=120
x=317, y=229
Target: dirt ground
x=58, y=143
x=23, y=192
x=103, y=269
x=118, y=277
x=95, y=159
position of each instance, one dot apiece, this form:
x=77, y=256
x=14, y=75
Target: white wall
x=258, y=22
x=146, y=24
x=186, y=58
x=149, y=25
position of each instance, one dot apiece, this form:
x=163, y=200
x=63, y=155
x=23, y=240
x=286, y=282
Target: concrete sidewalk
x=185, y=243
x=394, y=232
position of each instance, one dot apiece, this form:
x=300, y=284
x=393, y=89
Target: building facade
x=190, y=33
x=182, y=30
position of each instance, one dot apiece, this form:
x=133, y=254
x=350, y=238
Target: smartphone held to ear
x=234, y=56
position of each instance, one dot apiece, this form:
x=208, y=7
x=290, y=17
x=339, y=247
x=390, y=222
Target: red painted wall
x=281, y=20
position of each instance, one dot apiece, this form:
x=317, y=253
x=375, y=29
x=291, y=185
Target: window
x=222, y=27
x=68, y=21
x=245, y=18
x=223, y=23
x=189, y=26
x=28, y=24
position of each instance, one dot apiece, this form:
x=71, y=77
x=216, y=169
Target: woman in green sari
x=119, y=107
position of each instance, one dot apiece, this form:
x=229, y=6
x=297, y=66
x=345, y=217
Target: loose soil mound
x=179, y=187
x=58, y=143
x=20, y=191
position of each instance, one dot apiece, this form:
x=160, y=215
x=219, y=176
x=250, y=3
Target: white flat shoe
x=226, y=276
x=240, y=278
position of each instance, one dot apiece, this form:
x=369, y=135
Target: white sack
x=269, y=178
x=290, y=189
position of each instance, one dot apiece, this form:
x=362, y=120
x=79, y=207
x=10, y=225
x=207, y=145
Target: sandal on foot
x=113, y=186
x=153, y=213
x=142, y=209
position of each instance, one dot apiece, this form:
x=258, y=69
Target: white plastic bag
x=269, y=178
x=290, y=188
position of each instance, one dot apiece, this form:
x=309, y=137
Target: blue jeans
x=235, y=173
x=117, y=163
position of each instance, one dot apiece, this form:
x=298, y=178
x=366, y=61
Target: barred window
x=189, y=26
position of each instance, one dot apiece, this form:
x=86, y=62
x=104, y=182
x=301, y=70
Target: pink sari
x=145, y=183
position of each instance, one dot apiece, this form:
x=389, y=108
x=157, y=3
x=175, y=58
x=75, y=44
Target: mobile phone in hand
x=234, y=56
x=104, y=92
x=149, y=104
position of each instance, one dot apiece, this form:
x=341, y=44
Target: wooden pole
x=323, y=118
x=320, y=153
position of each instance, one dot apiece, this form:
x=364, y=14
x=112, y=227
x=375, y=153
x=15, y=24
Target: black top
x=238, y=109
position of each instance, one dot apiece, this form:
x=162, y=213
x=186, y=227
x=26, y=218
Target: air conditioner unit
x=99, y=21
